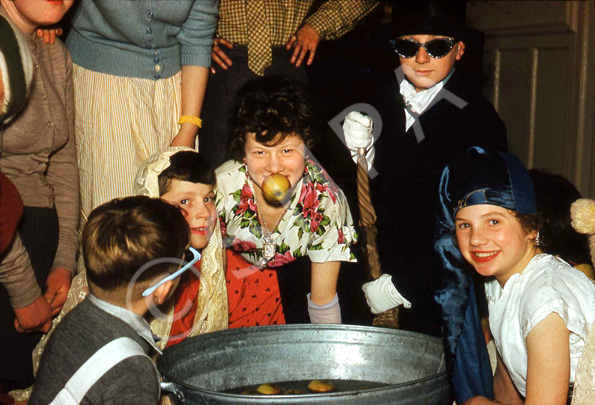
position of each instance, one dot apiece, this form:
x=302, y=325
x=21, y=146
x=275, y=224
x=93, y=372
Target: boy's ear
x=161, y=294
x=460, y=50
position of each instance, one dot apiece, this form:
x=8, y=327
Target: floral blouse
x=317, y=223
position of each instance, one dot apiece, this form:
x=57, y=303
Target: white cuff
x=327, y=313
x=370, y=155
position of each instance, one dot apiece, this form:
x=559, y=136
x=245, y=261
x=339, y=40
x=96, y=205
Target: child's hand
x=49, y=34
x=34, y=317
x=358, y=129
x=57, y=286
x=382, y=295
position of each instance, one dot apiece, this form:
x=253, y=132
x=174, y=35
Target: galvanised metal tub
x=409, y=366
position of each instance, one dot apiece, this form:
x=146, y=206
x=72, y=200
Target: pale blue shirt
x=149, y=39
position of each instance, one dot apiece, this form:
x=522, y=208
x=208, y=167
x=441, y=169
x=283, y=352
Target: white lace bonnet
x=147, y=176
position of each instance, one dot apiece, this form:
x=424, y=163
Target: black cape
x=405, y=190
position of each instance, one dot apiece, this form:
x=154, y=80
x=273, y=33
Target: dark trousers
x=221, y=90
x=39, y=232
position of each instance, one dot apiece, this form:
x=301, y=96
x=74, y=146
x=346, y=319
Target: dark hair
x=123, y=235
x=529, y=222
x=554, y=195
x=271, y=106
x=186, y=166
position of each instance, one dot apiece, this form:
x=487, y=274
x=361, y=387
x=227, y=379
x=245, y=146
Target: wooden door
x=539, y=63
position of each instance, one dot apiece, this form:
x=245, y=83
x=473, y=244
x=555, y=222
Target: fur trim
x=582, y=213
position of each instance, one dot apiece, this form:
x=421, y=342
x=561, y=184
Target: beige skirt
x=119, y=122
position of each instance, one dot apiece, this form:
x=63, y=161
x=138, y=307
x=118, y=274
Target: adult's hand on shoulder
x=57, y=286
x=49, y=34
x=305, y=40
x=219, y=56
x=34, y=317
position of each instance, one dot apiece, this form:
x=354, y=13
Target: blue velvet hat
x=478, y=176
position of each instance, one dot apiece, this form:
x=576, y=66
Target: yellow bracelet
x=193, y=120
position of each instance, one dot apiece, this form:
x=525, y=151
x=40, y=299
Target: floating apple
x=275, y=188
x=321, y=386
x=269, y=389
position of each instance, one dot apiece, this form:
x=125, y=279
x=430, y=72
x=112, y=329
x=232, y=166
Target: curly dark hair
x=272, y=107
x=529, y=222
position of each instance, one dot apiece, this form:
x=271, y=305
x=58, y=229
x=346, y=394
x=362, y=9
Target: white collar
x=417, y=102
x=136, y=322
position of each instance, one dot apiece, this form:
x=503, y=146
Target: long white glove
x=382, y=295
x=358, y=134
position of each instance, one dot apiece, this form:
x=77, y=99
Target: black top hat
x=430, y=18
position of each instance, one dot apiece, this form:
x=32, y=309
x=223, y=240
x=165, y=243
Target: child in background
x=184, y=178
x=119, y=239
x=554, y=195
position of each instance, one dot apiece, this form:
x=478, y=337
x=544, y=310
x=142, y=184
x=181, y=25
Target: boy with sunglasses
x=430, y=111
x=99, y=352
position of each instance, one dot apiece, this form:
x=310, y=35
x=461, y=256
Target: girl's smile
x=493, y=241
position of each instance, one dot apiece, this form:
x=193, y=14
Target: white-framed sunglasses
x=175, y=275
x=437, y=48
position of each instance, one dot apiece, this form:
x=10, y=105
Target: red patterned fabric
x=253, y=298
x=186, y=302
x=253, y=295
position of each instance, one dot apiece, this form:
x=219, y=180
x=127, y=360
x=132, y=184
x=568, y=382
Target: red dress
x=252, y=294
x=186, y=302
x=253, y=298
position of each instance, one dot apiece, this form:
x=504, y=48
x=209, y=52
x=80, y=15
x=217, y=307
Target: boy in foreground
x=123, y=241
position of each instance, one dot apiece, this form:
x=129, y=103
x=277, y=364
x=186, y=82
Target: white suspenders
x=95, y=367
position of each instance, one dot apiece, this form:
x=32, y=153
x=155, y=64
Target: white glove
x=358, y=134
x=382, y=295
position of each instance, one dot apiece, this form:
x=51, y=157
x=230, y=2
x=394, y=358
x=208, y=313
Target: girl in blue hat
x=540, y=308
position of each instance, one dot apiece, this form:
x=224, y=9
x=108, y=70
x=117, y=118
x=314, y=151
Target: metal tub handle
x=177, y=397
